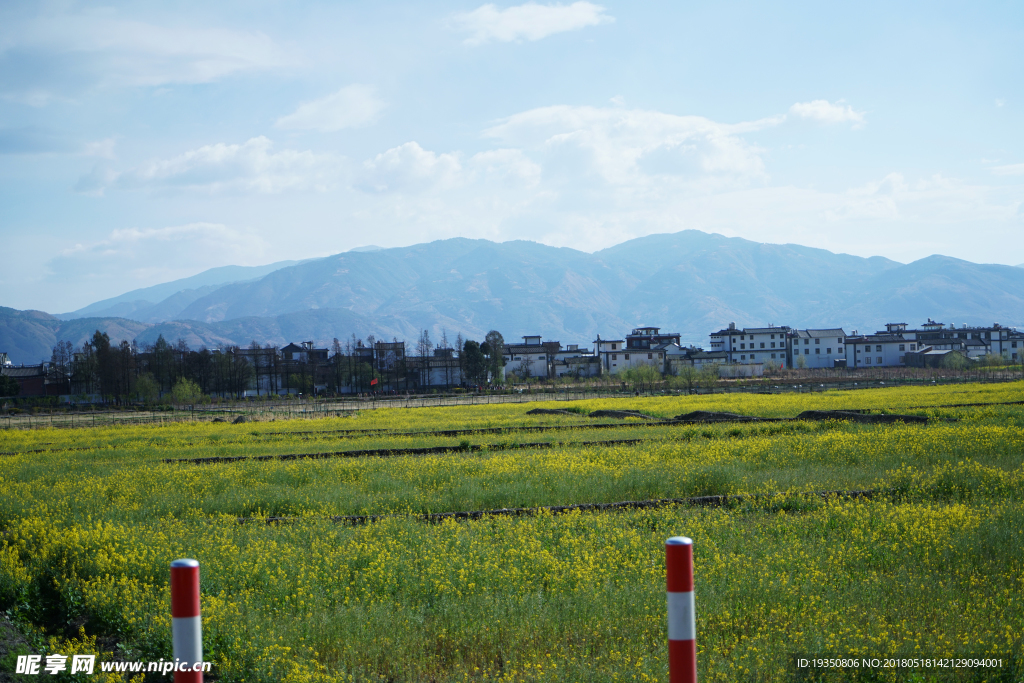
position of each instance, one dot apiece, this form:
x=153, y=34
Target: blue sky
x=142, y=142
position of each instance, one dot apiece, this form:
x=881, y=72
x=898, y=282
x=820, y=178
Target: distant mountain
x=29, y=336
x=165, y=301
x=691, y=282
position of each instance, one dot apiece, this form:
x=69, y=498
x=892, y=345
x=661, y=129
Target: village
x=100, y=371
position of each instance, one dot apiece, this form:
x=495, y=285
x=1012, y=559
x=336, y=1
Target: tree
x=954, y=361
x=459, y=344
x=161, y=362
x=240, y=372
x=446, y=355
x=9, y=386
x=801, y=362
x=474, y=363
x=423, y=344
x=256, y=350
x=61, y=361
x=522, y=370
x=642, y=376
x=687, y=377
x=147, y=388
x=709, y=375
x=186, y=392
x=105, y=370
x=85, y=370
x=180, y=352
x=203, y=370
x=423, y=350
x=337, y=369
x=496, y=351
x=123, y=369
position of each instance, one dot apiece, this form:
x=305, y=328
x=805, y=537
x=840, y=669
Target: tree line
x=125, y=371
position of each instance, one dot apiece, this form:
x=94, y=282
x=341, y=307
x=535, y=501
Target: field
x=932, y=565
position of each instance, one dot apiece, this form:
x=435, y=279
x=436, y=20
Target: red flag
x=373, y=381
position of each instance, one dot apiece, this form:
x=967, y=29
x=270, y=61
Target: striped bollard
x=682, y=628
x=186, y=627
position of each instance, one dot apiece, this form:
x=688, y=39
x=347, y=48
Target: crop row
x=986, y=397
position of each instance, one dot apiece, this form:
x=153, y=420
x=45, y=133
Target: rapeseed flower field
x=931, y=566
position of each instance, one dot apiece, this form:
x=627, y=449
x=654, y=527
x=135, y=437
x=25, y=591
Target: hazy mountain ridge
x=167, y=300
x=691, y=282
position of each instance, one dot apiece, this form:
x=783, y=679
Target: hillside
x=165, y=301
x=691, y=282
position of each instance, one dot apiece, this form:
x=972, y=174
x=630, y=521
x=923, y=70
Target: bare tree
x=61, y=361
x=459, y=343
x=256, y=350
x=423, y=350
x=336, y=361
x=446, y=356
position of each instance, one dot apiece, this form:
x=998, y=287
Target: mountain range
x=691, y=282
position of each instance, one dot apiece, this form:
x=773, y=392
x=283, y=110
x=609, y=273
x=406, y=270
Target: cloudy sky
x=145, y=141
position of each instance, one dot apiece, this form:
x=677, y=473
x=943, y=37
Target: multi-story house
x=812, y=348
x=572, y=361
x=611, y=353
x=532, y=358
x=304, y=353
x=753, y=344
x=649, y=346
x=441, y=369
x=975, y=341
x=702, y=358
x=1014, y=345
x=642, y=346
x=878, y=350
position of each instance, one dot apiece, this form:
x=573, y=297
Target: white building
x=817, y=348
x=532, y=358
x=702, y=358
x=753, y=344
x=974, y=341
x=642, y=346
x=611, y=353
x=878, y=350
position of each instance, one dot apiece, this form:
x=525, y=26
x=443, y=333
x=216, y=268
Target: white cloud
x=623, y=146
x=248, y=167
x=509, y=166
x=138, y=257
x=1008, y=169
x=410, y=168
x=530, y=21
x=353, y=105
x=58, y=50
x=824, y=111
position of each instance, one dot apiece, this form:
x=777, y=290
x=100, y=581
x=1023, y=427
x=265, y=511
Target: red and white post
x=682, y=625
x=186, y=626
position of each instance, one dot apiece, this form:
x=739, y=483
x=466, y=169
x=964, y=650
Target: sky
x=143, y=142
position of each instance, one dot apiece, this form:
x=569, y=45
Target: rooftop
x=830, y=332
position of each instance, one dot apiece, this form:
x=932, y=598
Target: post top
x=679, y=540
x=185, y=562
